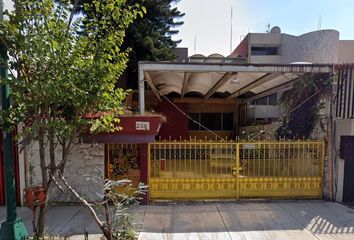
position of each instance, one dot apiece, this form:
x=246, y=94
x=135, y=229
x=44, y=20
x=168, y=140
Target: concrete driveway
x=215, y=220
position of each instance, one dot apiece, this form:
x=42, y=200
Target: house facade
x=200, y=152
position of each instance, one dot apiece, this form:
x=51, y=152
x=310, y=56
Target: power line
x=292, y=110
x=185, y=114
x=231, y=33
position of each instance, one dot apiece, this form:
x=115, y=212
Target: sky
x=207, y=23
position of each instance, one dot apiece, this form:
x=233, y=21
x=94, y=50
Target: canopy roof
x=222, y=78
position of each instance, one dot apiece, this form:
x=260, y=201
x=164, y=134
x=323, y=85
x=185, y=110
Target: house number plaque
x=142, y=126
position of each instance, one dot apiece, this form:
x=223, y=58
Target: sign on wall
x=142, y=126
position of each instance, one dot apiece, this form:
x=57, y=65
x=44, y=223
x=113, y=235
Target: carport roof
x=222, y=78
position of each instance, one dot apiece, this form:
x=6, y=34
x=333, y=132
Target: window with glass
x=212, y=121
x=268, y=100
x=264, y=51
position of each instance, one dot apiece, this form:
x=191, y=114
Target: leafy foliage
x=60, y=76
x=302, y=106
x=148, y=38
x=123, y=196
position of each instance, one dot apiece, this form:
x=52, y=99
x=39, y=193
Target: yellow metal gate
x=211, y=170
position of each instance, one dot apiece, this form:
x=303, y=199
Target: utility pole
x=231, y=33
x=13, y=228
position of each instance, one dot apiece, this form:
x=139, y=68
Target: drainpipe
x=13, y=228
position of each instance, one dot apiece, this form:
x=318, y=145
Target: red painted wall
x=176, y=124
x=2, y=171
x=2, y=174
x=242, y=49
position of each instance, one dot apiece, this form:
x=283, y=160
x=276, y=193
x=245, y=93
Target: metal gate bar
x=208, y=170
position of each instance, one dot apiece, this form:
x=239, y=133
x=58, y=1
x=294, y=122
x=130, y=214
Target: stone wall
x=316, y=47
x=84, y=172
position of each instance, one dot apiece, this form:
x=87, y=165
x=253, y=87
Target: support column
x=144, y=168
x=13, y=228
x=141, y=91
x=330, y=143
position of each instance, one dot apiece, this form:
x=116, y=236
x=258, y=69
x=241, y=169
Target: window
x=212, y=121
x=227, y=121
x=272, y=99
x=192, y=124
x=268, y=100
x=263, y=51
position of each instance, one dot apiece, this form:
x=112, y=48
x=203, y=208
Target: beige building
x=275, y=47
x=323, y=46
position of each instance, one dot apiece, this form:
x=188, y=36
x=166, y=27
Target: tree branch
x=84, y=202
x=71, y=17
x=55, y=182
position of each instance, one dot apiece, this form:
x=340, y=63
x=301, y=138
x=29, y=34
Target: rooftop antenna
x=268, y=28
x=242, y=37
x=231, y=33
x=195, y=43
x=319, y=26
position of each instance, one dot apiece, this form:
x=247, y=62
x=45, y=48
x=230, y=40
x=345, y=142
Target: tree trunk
x=43, y=209
x=41, y=220
x=109, y=232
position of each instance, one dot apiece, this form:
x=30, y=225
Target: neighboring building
x=342, y=137
x=323, y=46
x=181, y=54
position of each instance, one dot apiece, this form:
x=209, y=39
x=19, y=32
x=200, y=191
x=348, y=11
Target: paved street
x=215, y=220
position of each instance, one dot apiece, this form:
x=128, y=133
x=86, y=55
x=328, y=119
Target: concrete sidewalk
x=215, y=220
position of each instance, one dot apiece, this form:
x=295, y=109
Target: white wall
x=262, y=111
